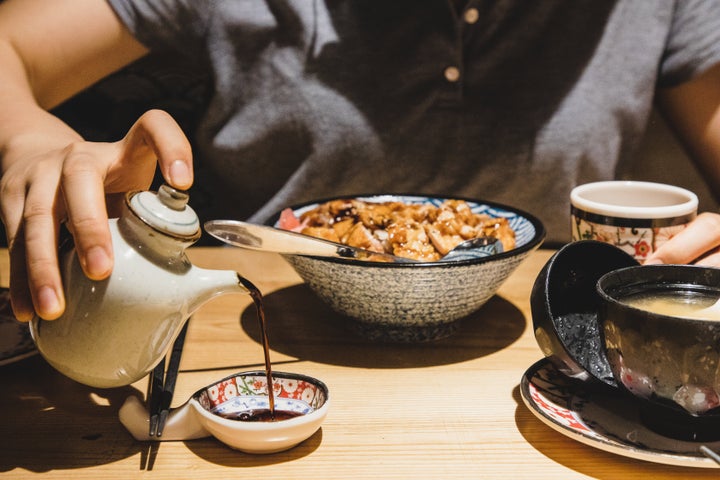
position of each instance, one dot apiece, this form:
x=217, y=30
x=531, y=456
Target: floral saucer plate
x=15, y=340
x=603, y=419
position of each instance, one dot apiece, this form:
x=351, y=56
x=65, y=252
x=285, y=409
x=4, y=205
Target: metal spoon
x=474, y=248
x=271, y=239
x=710, y=453
x=709, y=313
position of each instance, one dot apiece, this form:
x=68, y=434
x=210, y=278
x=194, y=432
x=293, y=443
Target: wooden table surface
x=443, y=410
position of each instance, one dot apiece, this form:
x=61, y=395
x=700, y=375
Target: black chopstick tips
x=162, y=385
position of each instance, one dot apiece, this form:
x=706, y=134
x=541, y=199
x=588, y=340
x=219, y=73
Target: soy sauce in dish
x=262, y=415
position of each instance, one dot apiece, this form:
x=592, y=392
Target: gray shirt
x=510, y=101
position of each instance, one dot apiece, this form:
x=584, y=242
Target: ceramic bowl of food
x=235, y=410
x=409, y=302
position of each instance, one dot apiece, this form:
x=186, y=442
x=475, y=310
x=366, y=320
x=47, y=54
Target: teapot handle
x=182, y=422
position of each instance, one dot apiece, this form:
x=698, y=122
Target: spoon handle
x=271, y=239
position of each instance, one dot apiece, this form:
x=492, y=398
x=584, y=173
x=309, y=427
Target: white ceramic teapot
x=115, y=331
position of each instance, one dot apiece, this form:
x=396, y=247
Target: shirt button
x=452, y=74
x=471, y=15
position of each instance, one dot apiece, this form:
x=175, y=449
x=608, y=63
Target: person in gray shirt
x=508, y=101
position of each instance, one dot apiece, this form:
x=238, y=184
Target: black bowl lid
x=565, y=304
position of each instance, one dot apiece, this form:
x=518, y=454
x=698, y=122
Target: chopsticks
x=162, y=385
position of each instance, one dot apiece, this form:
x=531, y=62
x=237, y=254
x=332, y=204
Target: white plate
x=15, y=340
x=603, y=419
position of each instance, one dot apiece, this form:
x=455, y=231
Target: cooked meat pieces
x=419, y=231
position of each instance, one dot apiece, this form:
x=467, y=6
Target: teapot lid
x=166, y=211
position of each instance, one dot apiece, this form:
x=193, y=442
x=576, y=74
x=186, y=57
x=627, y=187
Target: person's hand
x=699, y=243
x=43, y=186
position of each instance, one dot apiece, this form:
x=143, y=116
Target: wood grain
x=443, y=410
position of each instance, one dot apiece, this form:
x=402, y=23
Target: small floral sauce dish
x=224, y=410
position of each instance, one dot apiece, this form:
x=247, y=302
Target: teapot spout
x=207, y=284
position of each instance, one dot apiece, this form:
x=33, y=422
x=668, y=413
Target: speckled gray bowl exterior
x=404, y=304
x=418, y=302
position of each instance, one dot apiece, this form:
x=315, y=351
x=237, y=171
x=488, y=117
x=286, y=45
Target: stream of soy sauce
x=261, y=415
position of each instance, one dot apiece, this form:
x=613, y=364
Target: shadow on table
x=50, y=422
x=302, y=326
x=39, y=403
x=590, y=461
x=213, y=451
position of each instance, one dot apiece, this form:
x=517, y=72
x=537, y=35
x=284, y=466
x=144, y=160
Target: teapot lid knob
x=166, y=211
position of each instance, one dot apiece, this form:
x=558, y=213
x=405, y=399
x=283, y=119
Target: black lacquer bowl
x=669, y=362
x=669, y=365
x=565, y=305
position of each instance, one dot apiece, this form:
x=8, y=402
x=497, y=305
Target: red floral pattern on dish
x=225, y=390
x=560, y=414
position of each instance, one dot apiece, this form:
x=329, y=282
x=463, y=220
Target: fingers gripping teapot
x=115, y=331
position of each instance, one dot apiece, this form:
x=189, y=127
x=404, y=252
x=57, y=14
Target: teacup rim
x=685, y=208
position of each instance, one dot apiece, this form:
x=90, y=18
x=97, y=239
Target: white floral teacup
x=637, y=217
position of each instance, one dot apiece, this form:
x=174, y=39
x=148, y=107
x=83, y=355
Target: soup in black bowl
x=663, y=346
